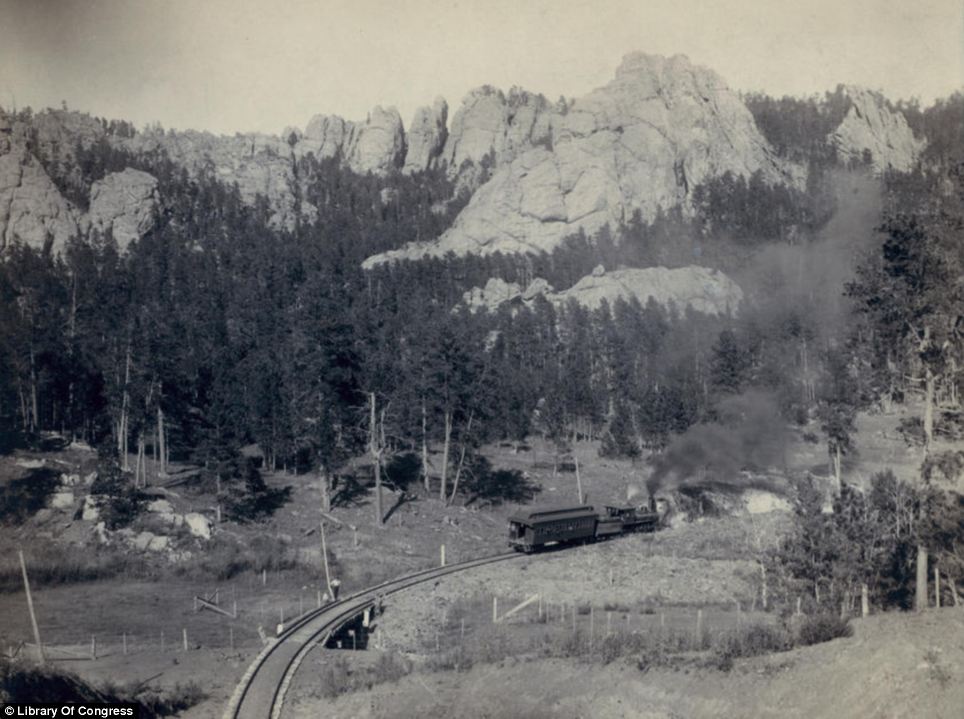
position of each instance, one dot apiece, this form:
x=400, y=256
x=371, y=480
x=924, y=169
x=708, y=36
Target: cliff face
x=124, y=204
x=539, y=171
x=659, y=128
x=32, y=209
x=871, y=127
x=491, y=125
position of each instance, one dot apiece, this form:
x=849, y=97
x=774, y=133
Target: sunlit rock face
x=124, y=203
x=32, y=210
x=642, y=142
x=693, y=288
x=698, y=289
x=426, y=136
x=871, y=130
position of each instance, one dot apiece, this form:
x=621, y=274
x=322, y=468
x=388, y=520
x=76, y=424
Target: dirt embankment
x=895, y=665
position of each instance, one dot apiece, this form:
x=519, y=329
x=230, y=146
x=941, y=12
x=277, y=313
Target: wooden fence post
x=184, y=637
x=33, y=616
x=937, y=587
x=93, y=647
x=495, y=609
x=591, y=629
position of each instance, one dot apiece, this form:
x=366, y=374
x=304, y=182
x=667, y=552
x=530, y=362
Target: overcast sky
x=240, y=65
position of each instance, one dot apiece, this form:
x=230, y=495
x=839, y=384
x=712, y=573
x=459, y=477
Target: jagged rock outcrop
x=325, y=136
x=378, y=144
x=642, y=142
x=124, y=203
x=375, y=145
x=495, y=293
x=872, y=127
x=32, y=209
x=259, y=164
x=426, y=136
x=700, y=289
x=496, y=128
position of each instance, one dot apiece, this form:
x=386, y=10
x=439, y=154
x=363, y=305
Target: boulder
x=62, y=500
x=143, y=540
x=159, y=543
x=100, y=531
x=90, y=512
x=69, y=480
x=871, y=128
x=641, y=143
x=198, y=525
x=160, y=506
x=124, y=203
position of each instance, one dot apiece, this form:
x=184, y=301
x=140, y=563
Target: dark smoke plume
x=749, y=434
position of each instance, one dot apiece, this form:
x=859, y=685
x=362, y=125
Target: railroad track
x=261, y=692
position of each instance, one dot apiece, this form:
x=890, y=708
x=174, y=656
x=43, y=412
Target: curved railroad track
x=261, y=691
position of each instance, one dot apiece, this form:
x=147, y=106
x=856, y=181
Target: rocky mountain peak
x=872, y=129
x=642, y=142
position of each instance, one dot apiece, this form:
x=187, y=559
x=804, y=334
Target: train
x=541, y=528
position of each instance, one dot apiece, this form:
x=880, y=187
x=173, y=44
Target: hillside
x=895, y=666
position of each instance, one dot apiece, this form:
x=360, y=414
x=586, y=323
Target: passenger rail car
x=577, y=525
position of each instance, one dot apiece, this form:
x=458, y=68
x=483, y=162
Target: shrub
x=120, y=501
x=818, y=628
x=21, y=498
x=749, y=641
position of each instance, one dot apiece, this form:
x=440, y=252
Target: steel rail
x=261, y=692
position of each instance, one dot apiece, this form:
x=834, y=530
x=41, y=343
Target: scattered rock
x=69, y=480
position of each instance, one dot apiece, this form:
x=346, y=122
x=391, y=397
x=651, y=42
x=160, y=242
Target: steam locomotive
x=578, y=525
